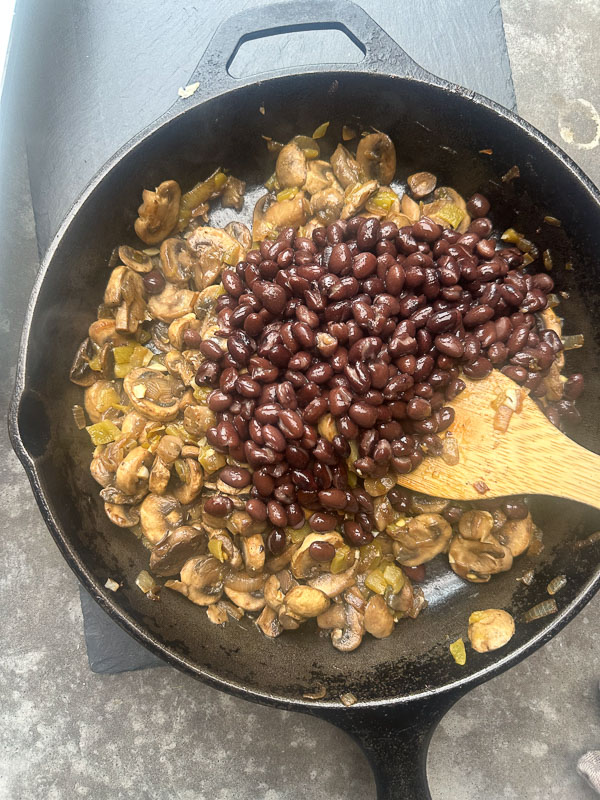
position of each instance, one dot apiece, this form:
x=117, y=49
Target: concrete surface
x=66, y=733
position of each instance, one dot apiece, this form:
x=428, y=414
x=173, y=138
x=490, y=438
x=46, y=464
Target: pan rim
x=93, y=585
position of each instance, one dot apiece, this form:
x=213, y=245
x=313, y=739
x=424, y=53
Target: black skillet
x=406, y=683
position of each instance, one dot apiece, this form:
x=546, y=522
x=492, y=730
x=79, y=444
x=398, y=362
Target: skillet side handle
x=395, y=741
x=381, y=52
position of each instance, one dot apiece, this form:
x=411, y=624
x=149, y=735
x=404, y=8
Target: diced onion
x=79, y=417
x=459, y=654
x=348, y=699
x=318, y=694
x=552, y=221
x=320, y=131
x=543, y=609
x=573, y=342
x=502, y=418
x=450, y=452
x=556, y=584
x=527, y=577
x=112, y=585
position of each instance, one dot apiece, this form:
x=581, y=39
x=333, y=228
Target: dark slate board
x=97, y=72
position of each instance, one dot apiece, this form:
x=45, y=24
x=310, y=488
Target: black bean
x=333, y=498
x=367, y=234
x=478, y=206
x=276, y=541
x=322, y=521
x=321, y=551
x=363, y=265
x=218, y=505
x=154, y=282
x=478, y=369
x=574, y=386
x=290, y=423
x=356, y=534
x=363, y=414
x=426, y=229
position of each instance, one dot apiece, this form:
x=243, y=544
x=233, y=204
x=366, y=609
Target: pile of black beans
x=373, y=325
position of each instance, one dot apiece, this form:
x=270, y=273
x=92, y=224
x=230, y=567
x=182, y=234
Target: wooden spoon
x=530, y=457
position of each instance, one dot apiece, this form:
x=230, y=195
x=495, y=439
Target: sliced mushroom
x=198, y=419
x=422, y=539
x=376, y=156
x=239, y=231
x=326, y=204
x=402, y=601
x=421, y=183
x=99, y=397
x=345, y=168
x=192, y=482
x=478, y=561
x=103, y=331
x=274, y=595
x=306, y=601
x=410, y=209
x=383, y=512
x=160, y=475
x=288, y=620
x=475, y=524
x=241, y=523
x=134, y=424
x=132, y=473
x=81, y=373
x=135, y=259
x=125, y=289
x=158, y=212
x=175, y=548
x=516, y=534
x=270, y=215
x=214, y=248
x=123, y=516
x=180, y=367
x=233, y=193
x=303, y=564
x=333, y=585
x=205, y=307
x=158, y=515
x=248, y=601
x=177, y=261
x=154, y=394
x=268, y=622
x=291, y=166
x=253, y=552
x=113, y=495
x=319, y=176
x=201, y=580
x=242, y=581
x=553, y=322
x=490, y=629
x=172, y=303
x=277, y=563
x=355, y=198
x=332, y=617
x=231, y=553
x=379, y=620
x=350, y=636
x=217, y=614
x=100, y=472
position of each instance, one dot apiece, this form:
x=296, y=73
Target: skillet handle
x=395, y=741
x=381, y=52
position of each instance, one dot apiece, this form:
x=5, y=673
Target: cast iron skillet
x=406, y=683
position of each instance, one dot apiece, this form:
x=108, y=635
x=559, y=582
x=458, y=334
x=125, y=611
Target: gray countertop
x=67, y=733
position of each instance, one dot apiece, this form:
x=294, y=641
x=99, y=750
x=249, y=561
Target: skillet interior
x=433, y=129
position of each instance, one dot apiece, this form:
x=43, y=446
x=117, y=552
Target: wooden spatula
x=530, y=457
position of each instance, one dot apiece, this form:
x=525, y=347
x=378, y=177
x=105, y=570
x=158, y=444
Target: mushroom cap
x=490, y=629
x=154, y=394
x=172, y=303
x=158, y=515
x=121, y=515
x=350, y=636
x=175, y=548
x=516, y=535
x=191, y=486
x=132, y=473
x=345, y=168
x=319, y=175
x=476, y=524
x=376, y=156
x=422, y=538
x=379, y=620
x=306, y=601
x=476, y=561
x=290, y=167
